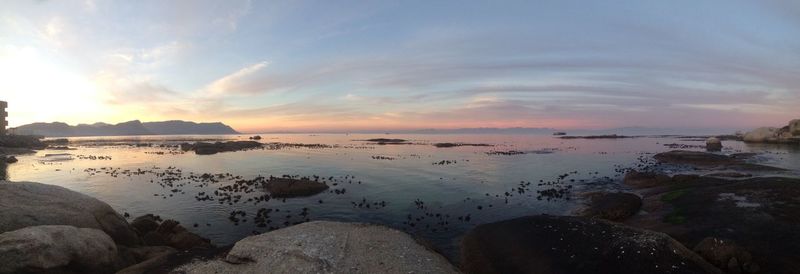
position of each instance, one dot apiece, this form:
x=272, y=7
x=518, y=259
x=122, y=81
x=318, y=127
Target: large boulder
x=560, y=244
x=762, y=134
x=24, y=204
x=794, y=127
x=57, y=249
x=786, y=134
x=713, y=144
x=327, y=247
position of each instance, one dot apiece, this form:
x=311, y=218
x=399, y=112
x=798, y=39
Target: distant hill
x=135, y=127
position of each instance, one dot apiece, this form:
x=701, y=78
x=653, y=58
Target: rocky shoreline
x=686, y=212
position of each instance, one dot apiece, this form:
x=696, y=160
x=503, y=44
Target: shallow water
x=401, y=183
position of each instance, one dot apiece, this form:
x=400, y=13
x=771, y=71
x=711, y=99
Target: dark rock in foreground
x=288, y=188
x=616, y=206
x=726, y=255
x=24, y=204
x=326, y=247
x=202, y=148
x=761, y=214
x=21, y=141
x=57, y=249
x=551, y=244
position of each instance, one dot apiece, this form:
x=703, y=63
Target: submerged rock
x=327, y=247
x=644, y=179
x=288, y=188
x=709, y=160
x=57, y=249
x=202, y=148
x=560, y=244
x=615, y=206
x=24, y=204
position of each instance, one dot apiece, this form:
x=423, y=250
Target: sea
x=433, y=193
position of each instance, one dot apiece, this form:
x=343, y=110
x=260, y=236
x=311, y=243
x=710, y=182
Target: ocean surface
x=436, y=194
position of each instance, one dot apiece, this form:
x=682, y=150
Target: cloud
x=239, y=82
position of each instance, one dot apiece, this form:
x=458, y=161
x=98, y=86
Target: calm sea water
x=408, y=187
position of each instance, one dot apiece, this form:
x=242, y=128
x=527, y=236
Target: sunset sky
x=324, y=65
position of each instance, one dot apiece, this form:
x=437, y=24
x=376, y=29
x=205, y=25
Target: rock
x=327, y=247
x=201, y=148
x=21, y=141
x=730, y=175
x=616, y=206
x=713, y=144
x=24, y=204
x=794, y=127
x=257, y=137
x=561, y=244
x=760, y=135
x=153, y=238
x=709, y=160
x=787, y=134
x=760, y=214
x=186, y=240
x=147, y=265
x=171, y=233
x=726, y=255
x=644, y=179
x=56, y=248
x=11, y=159
x=288, y=188
x=144, y=224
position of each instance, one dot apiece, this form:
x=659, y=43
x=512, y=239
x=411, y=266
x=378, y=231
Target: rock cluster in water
x=787, y=134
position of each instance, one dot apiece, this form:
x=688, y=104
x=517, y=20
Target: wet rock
x=187, y=240
x=726, y=255
x=9, y=159
x=645, y=179
x=759, y=214
x=202, y=148
x=713, y=144
x=562, y=244
x=153, y=238
x=57, y=249
x=327, y=247
x=707, y=160
x=257, y=137
x=615, y=206
x=24, y=204
x=172, y=233
x=144, y=224
x=288, y=188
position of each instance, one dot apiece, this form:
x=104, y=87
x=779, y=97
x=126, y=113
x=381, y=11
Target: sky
x=357, y=65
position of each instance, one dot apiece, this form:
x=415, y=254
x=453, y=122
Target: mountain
x=135, y=127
